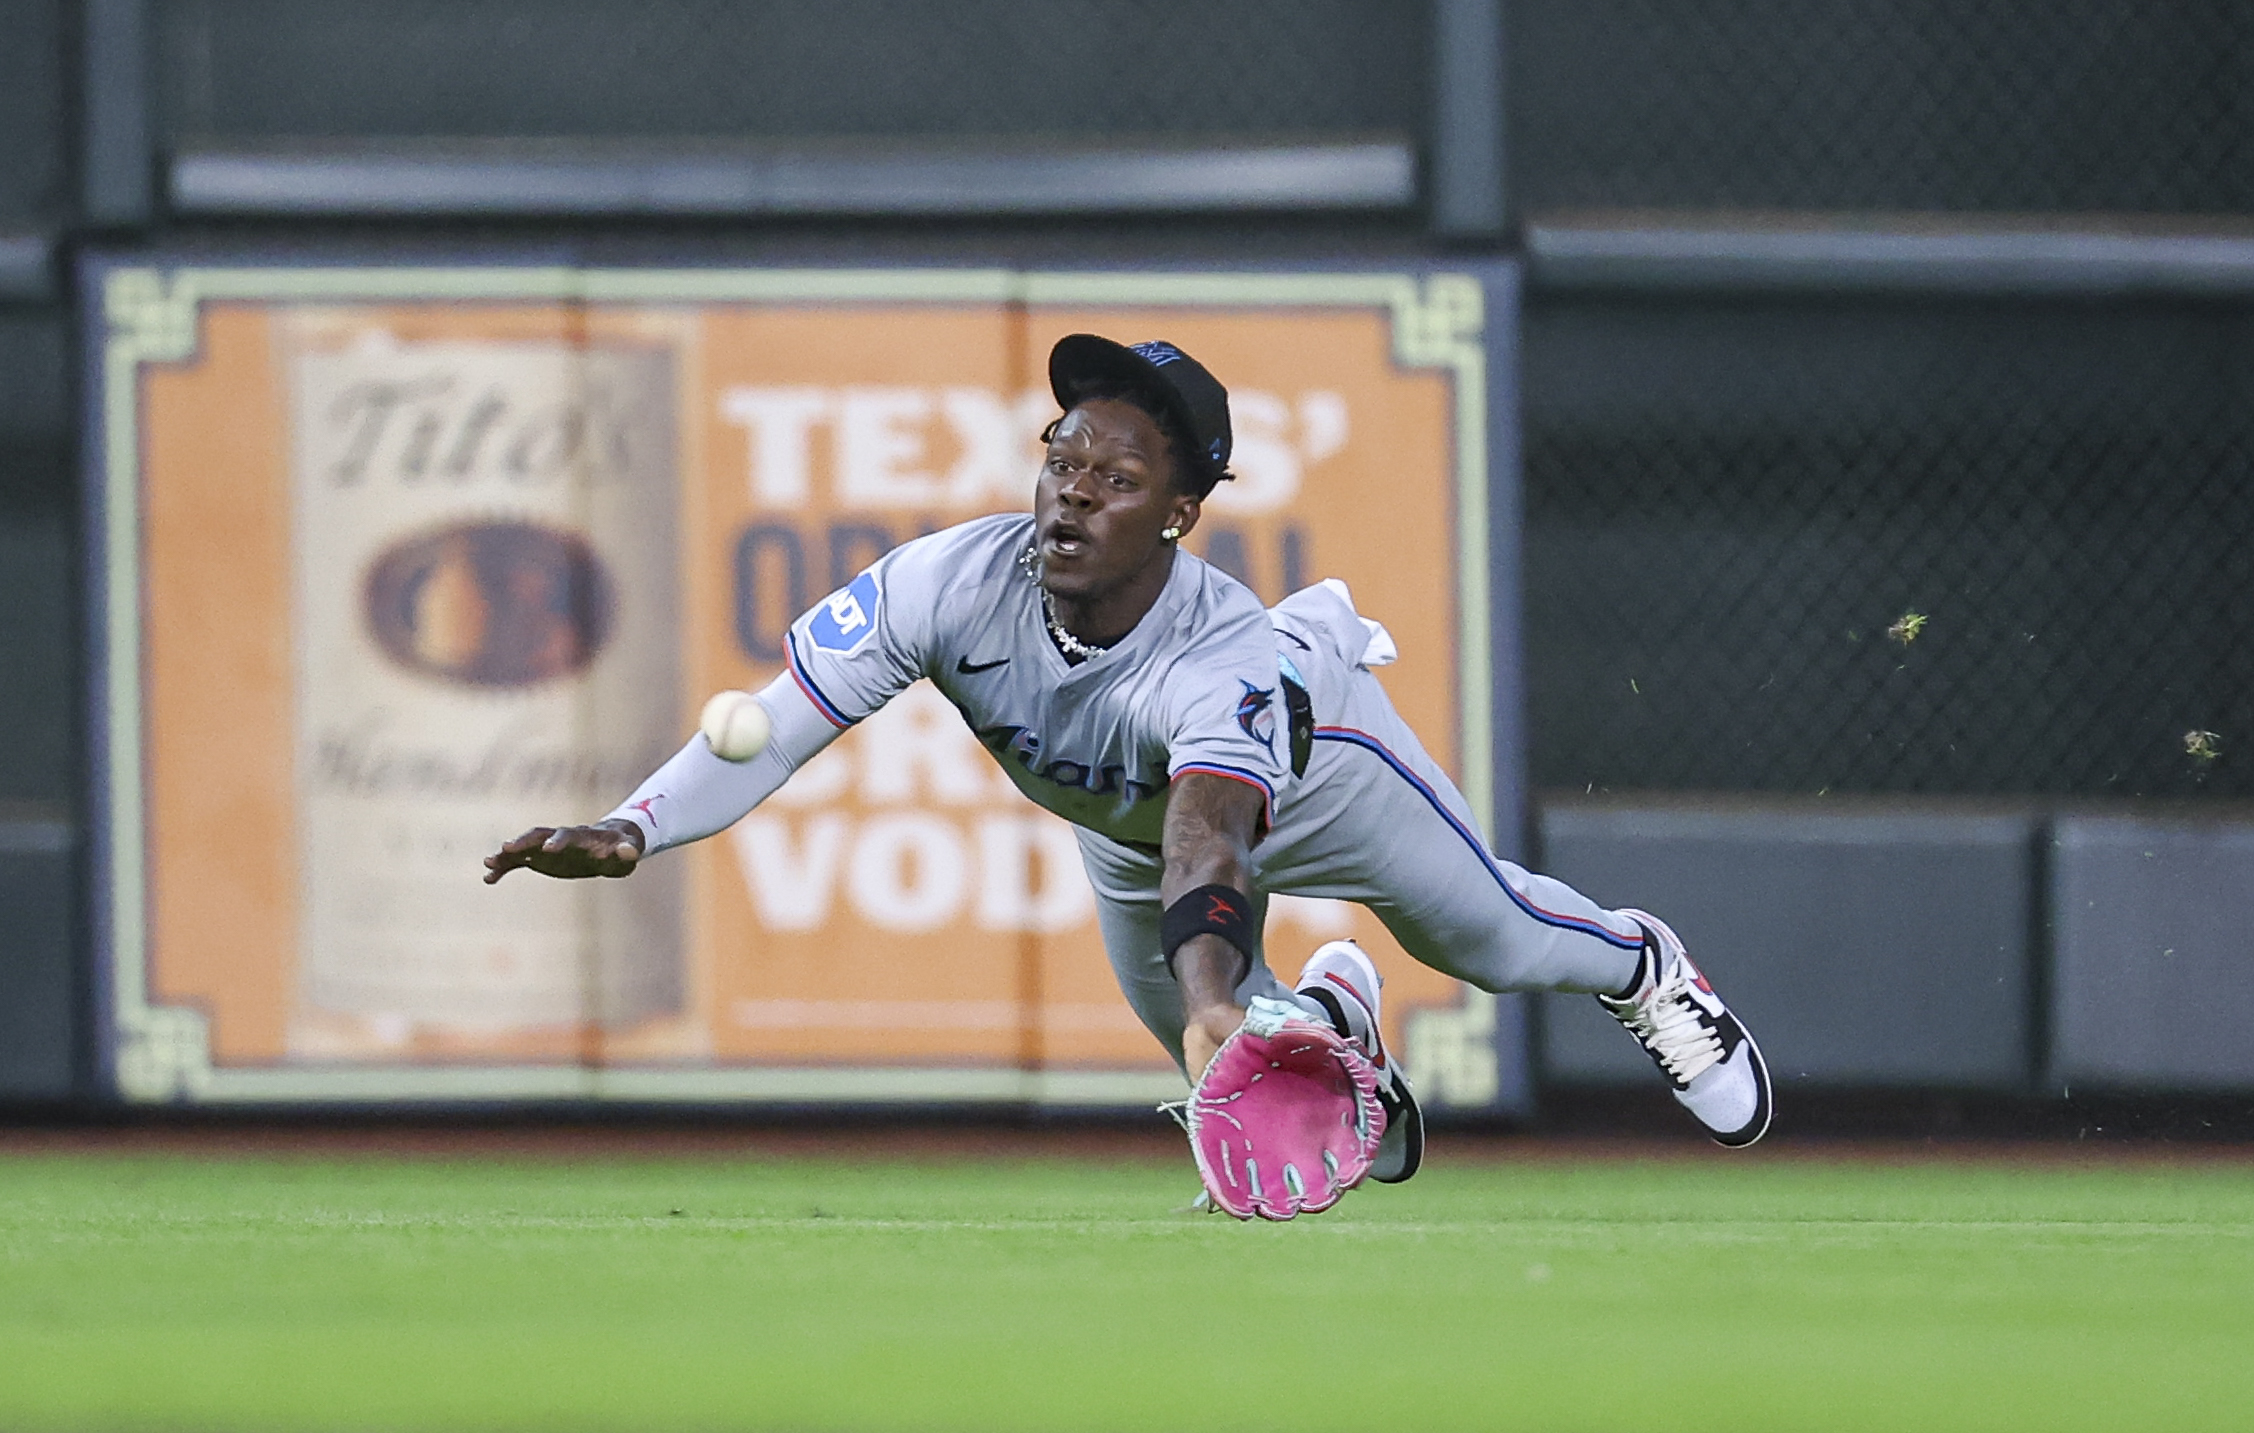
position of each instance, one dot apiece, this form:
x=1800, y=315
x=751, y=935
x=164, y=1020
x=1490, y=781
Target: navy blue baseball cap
x=1083, y=361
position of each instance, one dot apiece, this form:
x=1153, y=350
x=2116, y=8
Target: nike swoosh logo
x=963, y=665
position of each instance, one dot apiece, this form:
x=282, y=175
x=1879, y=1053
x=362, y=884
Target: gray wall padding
x=1872, y=947
x=39, y=922
x=34, y=163
x=2153, y=944
x=39, y=558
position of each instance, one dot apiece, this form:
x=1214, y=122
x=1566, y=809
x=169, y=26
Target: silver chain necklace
x=1029, y=561
x=1071, y=646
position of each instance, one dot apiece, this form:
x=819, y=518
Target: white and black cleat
x=1341, y=978
x=1716, y=1069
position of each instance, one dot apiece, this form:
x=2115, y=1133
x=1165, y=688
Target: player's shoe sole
x=1342, y=980
x=1702, y=1049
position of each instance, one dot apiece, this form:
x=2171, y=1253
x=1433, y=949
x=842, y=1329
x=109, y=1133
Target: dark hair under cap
x=1188, y=403
x=1195, y=479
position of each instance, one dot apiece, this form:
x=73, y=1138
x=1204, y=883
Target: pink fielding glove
x=1286, y=1118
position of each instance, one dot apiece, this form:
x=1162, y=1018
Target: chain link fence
x=1886, y=547
x=1801, y=545
x=793, y=69
x=2032, y=105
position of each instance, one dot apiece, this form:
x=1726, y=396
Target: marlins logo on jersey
x=1256, y=713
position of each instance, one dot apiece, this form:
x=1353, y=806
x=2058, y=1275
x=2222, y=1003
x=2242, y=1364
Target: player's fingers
x=612, y=858
x=516, y=851
x=565, y=852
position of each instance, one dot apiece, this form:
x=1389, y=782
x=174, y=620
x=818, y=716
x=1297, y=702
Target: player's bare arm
x=607, y=848
x=1211, y=824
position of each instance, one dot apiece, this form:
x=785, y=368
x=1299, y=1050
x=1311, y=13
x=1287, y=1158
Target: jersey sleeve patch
x=847, y=618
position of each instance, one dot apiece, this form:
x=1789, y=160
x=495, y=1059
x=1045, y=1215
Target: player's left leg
x=1376, y=821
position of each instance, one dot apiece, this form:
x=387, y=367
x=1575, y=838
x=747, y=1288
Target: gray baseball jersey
x=1194, y=688
x=1191, y=689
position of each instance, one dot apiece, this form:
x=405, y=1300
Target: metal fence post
x=117, y=169
x=1468, y=169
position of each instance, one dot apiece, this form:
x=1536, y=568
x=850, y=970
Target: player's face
x=1106, y=493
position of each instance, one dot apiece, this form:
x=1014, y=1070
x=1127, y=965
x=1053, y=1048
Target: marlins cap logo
x=1160, y=354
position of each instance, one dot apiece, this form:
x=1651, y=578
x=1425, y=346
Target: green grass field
x=1702, y=1292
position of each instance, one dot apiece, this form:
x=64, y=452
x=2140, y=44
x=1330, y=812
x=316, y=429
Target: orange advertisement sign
x=400, y=562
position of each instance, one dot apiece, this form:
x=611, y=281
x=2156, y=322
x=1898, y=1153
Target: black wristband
x=1209, y=910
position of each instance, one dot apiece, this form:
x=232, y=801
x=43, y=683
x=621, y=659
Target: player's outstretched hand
x=608, y=848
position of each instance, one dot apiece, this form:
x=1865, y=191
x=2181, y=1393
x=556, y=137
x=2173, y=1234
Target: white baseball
x=735, y=726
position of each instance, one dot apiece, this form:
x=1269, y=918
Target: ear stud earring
x=1171, y=533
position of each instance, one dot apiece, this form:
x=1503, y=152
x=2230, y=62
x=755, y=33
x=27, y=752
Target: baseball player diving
x=1209, y=753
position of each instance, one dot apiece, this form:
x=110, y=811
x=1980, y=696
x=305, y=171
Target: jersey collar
x=1130, y=649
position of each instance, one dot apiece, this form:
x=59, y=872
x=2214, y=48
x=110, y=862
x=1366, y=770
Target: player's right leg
x=1341, y=978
